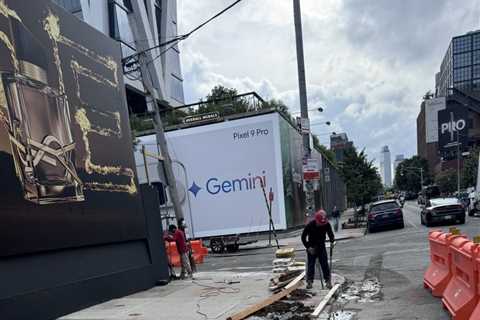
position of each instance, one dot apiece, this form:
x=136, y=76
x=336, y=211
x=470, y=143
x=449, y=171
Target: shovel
x=332, y=244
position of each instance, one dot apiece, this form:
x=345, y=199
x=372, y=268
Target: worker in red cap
x=313, y=238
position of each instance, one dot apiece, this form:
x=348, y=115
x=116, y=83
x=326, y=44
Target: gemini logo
x=216, y=186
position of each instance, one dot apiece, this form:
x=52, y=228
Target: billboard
x=432, y=107
x=220, y=169
x=452, y=127
x=67, y=174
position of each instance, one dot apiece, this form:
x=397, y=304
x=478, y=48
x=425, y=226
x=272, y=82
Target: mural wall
x=67, y=174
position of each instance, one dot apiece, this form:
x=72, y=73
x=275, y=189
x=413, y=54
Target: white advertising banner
x=432, y=107
x=224, y=166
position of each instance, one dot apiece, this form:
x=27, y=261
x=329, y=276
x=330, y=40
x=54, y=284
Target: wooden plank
x=325, y=300
x=259, y=306
x=296, y=280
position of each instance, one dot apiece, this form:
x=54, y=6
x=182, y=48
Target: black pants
x=321, y=255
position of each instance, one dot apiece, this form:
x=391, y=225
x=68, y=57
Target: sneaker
x=328, y=284
x=309, y=285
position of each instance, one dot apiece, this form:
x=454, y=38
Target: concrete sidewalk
x=209, y=296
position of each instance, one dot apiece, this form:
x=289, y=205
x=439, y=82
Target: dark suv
x=383, y=214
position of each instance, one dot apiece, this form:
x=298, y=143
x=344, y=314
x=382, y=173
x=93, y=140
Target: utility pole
x=302, y=88
x=421, y=178
x=153, y=86
x=458, y=163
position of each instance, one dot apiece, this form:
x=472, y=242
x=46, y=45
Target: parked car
x=383, y=214
x=442, y=210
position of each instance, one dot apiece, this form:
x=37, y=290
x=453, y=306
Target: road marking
x=412, y=224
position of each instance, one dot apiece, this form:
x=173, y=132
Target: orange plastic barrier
x=460, y=295
x=438, y=274
x=172, y=254
x=199, y=252
x=198, y=248
x=476, y=312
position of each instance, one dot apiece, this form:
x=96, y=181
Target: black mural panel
x=453, y=127
x=67, y=172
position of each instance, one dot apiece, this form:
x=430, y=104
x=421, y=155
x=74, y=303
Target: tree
x=408, y=176
x=447, y=181
x=361, y=177
x=470, y=168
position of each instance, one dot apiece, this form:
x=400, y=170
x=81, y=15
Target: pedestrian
x=313, y=238
x=183, y=226
x=336, y=218
x=182, y=249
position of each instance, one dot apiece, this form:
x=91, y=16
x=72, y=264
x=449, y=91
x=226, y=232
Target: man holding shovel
x=313, y=238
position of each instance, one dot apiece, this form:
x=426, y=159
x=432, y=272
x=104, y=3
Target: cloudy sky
x=368, y=62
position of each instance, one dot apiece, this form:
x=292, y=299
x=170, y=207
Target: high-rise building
x=460, y=67
x=398, y=159
x=338, y=144
x=110, y=17
x=386, y=167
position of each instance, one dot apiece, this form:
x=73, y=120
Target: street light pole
x=458, y=163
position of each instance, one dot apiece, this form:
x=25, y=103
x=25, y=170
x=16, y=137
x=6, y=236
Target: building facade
x=398, y=159
x=460, y=67
x=338, y=144
x=386, y=167
x=110, y=17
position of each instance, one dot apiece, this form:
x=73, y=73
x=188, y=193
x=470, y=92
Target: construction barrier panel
x=438, y=274
x=476, y=312
x=460, y=295
x=199, y=252
x=172, y=254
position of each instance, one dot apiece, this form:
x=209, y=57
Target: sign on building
x=452, y=128
x=68, y=173
x=432, y=108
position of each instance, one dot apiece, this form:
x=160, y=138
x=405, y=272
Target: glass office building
x=460, y=67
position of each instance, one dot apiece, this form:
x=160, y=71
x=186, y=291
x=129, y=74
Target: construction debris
x=325, y=301
x=259, y=306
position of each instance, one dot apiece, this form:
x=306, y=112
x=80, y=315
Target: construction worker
x=179, y=238
x=183, y=226
x=313, y=238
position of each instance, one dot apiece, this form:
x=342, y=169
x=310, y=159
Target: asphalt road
x=388, y=266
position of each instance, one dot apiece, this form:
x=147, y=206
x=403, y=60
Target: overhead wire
x=188, y=34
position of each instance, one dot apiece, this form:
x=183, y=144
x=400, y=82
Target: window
x=176, y=88
x=476, y=84
x=120, y=27
x=462, y=74
x=462, y=60
x=476, y=71
x=462, y=44
x=476, y=56
x=72, y=6
x=463, y=86
x=476, y=41
x=158, y=18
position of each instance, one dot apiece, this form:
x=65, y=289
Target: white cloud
x=368, y=63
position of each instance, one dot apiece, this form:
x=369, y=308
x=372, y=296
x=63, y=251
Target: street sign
x=305, y=125
x=311, y=170
x=206, y=117
x=326, y=173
